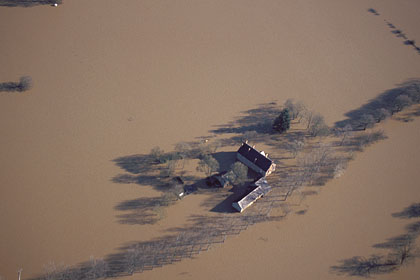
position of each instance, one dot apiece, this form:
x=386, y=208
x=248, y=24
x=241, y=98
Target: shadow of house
x=28, y=3
x=225, y=206
x=225, y=160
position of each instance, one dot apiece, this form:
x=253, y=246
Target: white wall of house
x=271, y=169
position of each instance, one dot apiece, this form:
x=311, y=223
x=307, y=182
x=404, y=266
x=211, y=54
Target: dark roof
x=255, y=157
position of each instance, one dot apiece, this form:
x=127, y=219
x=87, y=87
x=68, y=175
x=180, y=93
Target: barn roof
x=255, y=156
x=262, y=189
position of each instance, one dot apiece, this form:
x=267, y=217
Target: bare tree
x=54, y=271
x=345, y=133
x=300, y=109
x=68, y=273
x=183, y=150
x=401, y=102
x=203, y=149
x=98, y=268
x=366, y=121
x=308, y=116
x=367, y=139
x=157, y=154
x=50, y=271
x=413, y=92
x=208, y=165
x=406, y=251
x=296, y=110
x=207, y=148
x=214, y=146
x=134, y=258
x=295, y=147
x=339, y=168
x=159, y=211
x=318, y=126
x=381, y=114
x=249, y=135
x=131, y=257
x=25, y=83
x=240, y=172
x=169, y=169
x=312, y=162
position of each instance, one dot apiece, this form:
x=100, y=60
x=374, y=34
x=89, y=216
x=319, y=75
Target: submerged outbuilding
x=261, y=188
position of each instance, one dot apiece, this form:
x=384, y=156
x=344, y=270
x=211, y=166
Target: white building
x=262, y=188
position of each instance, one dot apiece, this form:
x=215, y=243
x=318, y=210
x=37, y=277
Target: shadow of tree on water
x=258, y=120
x=25, y=83
x=201, y=234
x=412, y=211
x=387, y=100
x=365, y=267
x=143, y=210
x=398, y=32
x=401, y=248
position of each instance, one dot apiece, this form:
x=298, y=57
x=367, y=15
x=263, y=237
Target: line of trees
x=315, y=123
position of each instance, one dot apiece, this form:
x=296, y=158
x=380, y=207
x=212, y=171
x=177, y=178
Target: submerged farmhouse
x=257, y=161
x=260, y=163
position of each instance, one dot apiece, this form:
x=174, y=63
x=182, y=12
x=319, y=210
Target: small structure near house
x=177, y=185
x=256, y=160
x=190, y=189
x=220, y=180
x=223, y=179
x=261, y=189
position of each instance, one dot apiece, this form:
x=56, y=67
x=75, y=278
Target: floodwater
x=113, y=79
